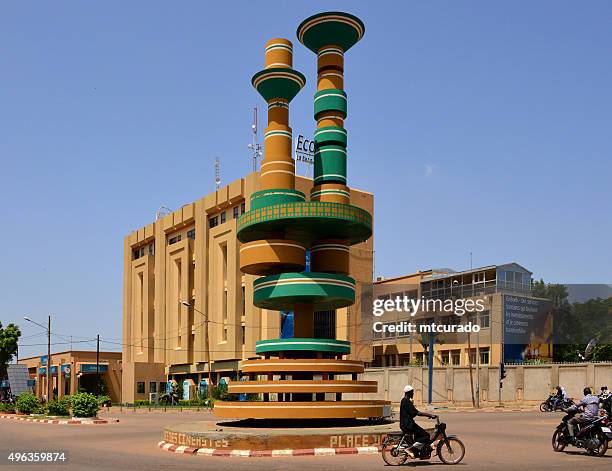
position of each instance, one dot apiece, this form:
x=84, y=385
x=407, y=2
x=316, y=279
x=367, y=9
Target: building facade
x=74, y=371
x=186, y=304
x=504, y=290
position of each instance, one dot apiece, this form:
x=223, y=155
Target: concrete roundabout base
x=251, y=438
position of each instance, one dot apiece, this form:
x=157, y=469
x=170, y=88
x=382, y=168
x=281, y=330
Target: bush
x=28, y=403
x=59, y=407
x=7, y=408
x=142, y=402
x=85, y=405
x=220, y=393
x=104, y=401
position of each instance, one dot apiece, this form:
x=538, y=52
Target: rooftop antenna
x=254, y=146
x=162, y=212
x=217, y=173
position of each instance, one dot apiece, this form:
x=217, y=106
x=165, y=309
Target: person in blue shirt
x=590, y=406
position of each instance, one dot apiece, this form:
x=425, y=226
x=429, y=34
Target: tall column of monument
x=298, y=376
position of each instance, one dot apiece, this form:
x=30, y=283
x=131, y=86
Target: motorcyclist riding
x=590, y=404
x=559, y=397
x=407, y=414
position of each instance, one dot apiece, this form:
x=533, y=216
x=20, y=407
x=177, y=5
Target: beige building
x=73, y=371
x=505, y=291
x=192, y=256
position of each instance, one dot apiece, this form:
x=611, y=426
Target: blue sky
x=479, y=126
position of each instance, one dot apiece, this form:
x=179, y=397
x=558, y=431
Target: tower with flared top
x=298, y=376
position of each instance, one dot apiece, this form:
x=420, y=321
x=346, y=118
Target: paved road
x=499, y=441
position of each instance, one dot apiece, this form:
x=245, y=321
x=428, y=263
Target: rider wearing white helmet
x=407, y=414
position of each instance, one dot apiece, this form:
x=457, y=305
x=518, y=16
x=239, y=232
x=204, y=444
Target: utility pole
x=185, y=303
x=430, y=368
x=478, y=367
x=98, y=365
x=49, y=388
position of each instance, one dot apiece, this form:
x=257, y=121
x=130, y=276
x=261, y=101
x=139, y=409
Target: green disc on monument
x=278, y=82
x=330, y=28
x=301, y=344
x=325, y=290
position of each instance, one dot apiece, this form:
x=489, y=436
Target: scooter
x=448, y=448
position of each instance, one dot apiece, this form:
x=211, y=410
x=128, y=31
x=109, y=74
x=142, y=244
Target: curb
x=187, y=450
x=61, y=421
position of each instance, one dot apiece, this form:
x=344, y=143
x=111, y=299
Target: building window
x=213, y=222
x=191, y=234
x=243, y=208
x=243, y=302
x=387, y=333
x=243, y=334
x=456, y=357
x=236, y=212
x=140, y=387
x=224, y=334
x=152, y=248
x=152, y=387
x=485, y=319
x=139, y=252
x=445, y=357
x=484, y=356
x=162, y=387
x=175, y=239
x=223, y=217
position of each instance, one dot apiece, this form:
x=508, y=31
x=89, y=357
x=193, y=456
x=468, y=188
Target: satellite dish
x=588, y=351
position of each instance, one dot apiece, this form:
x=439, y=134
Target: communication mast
x=254, y=146
x=217, y=173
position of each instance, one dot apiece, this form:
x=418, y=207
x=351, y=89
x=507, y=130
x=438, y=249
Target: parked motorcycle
x=593, y=436
x=547, y=405
x=448, y=448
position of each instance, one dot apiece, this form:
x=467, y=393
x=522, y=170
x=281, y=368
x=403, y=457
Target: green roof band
x=330, y=165
x=263, y=198
x=330, y=100
x=330, y=135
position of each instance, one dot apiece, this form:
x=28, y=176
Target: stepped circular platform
x=268, y=435
x=275, y=365
x=301, y=410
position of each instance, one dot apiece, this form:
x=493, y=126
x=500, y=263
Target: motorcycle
x=448, y=448
x=606, y=404
x=593, y=436
x=548, y=404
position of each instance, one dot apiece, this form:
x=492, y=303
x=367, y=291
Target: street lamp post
x=48, y=329
x=185, y=303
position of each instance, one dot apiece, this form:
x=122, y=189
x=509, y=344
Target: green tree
x=9, y=336
x=574, y=325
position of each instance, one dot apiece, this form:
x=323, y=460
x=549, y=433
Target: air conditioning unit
x=154, y=397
